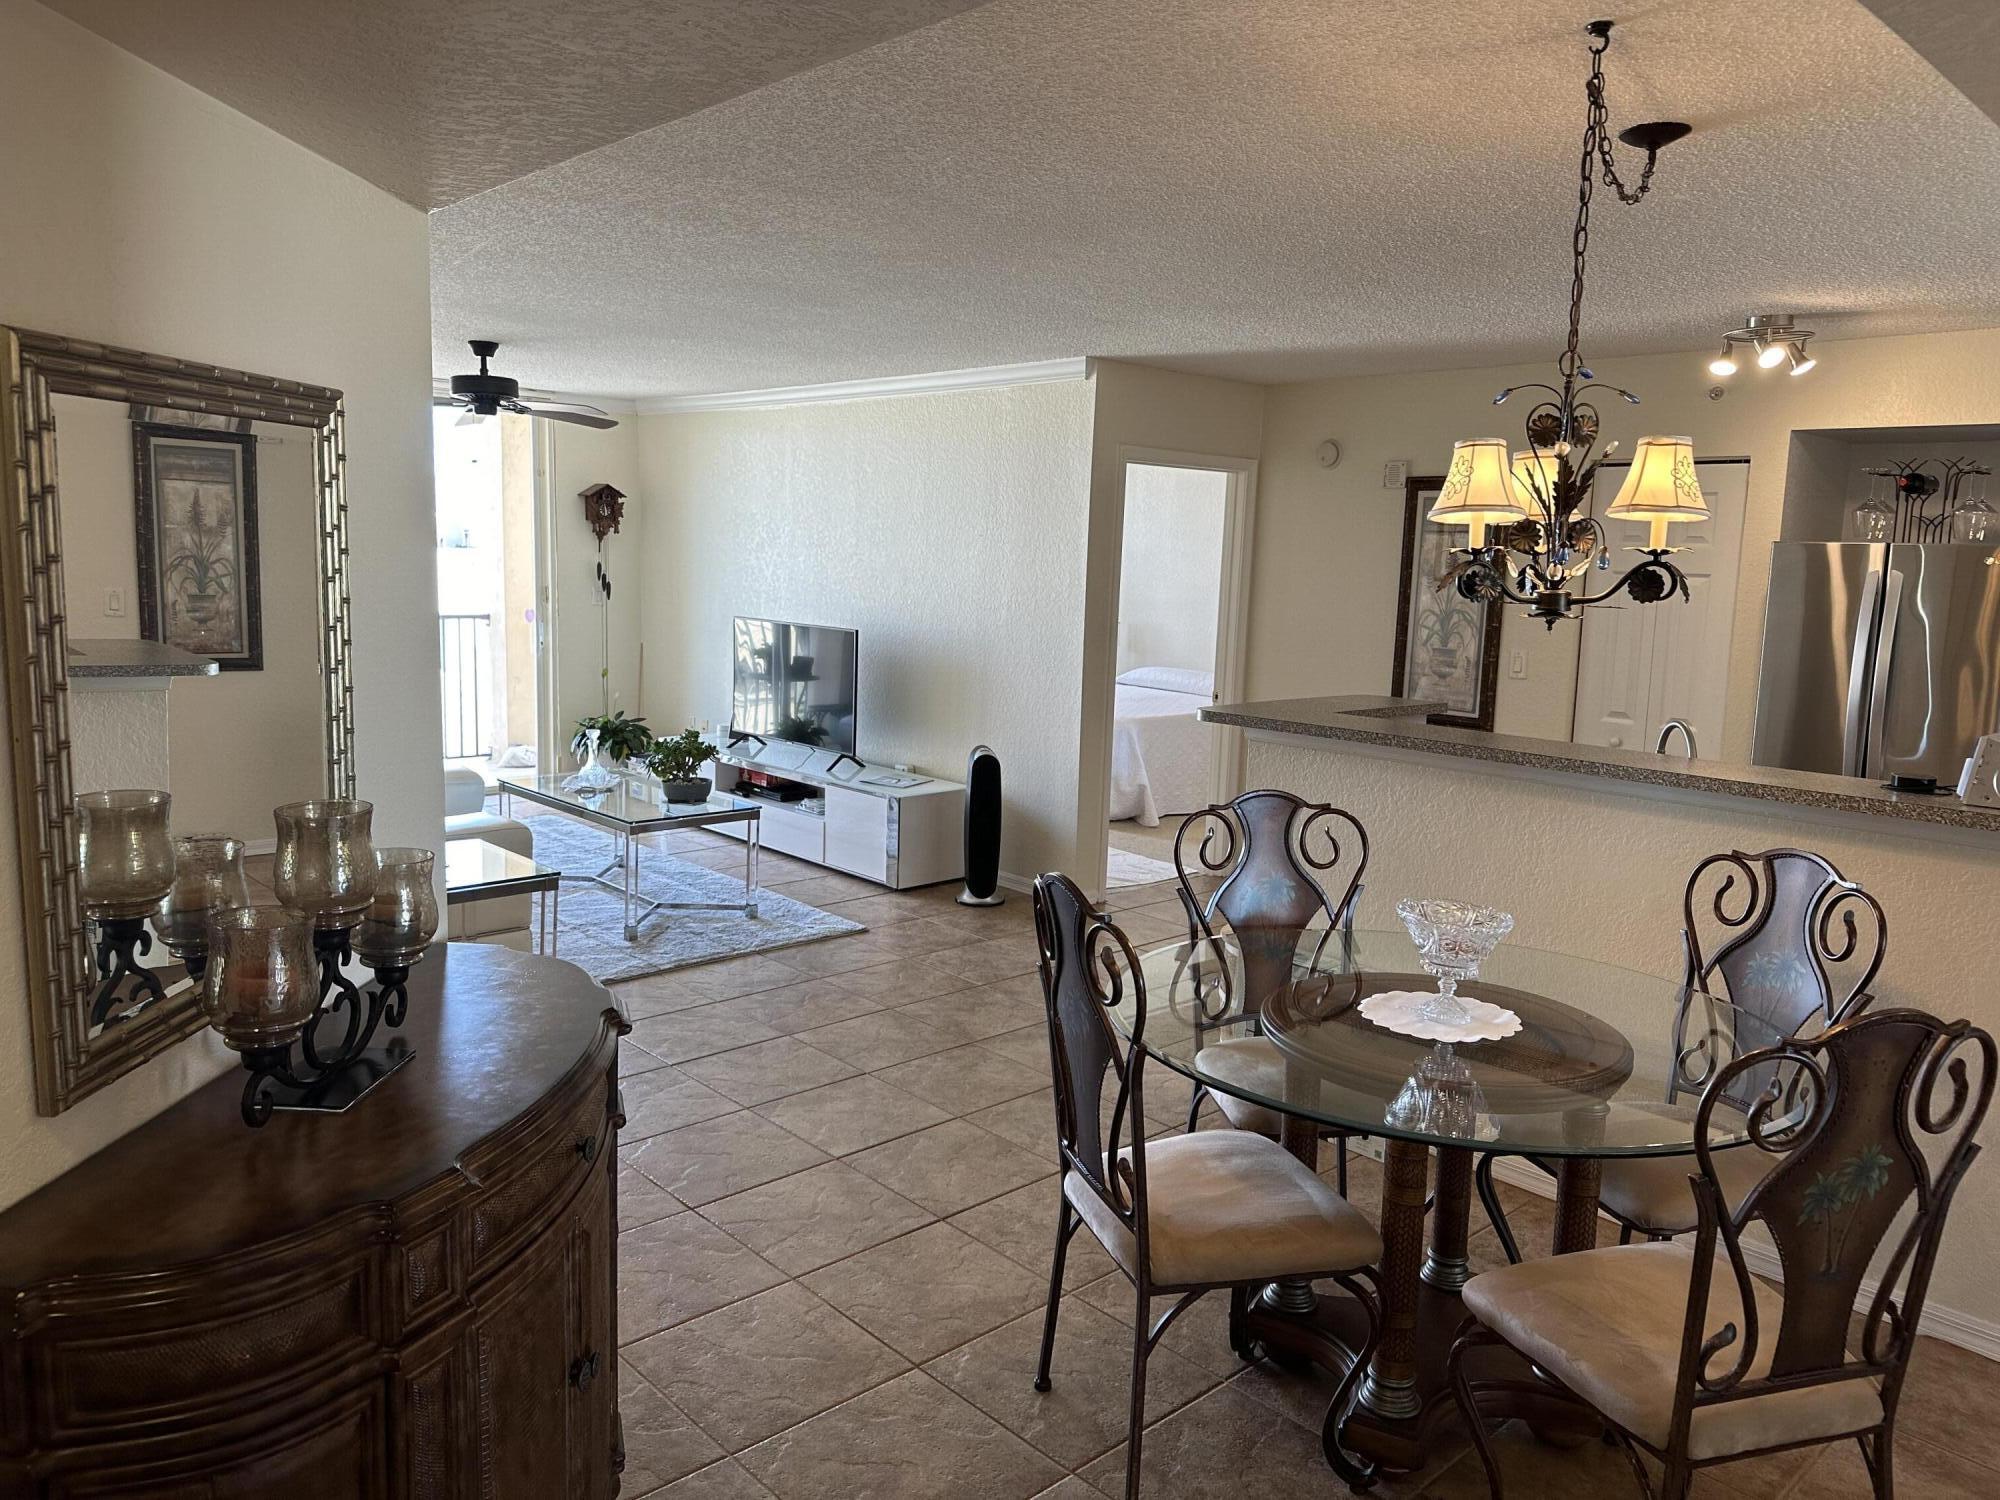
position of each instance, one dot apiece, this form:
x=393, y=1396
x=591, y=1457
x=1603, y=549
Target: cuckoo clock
x=604, y=508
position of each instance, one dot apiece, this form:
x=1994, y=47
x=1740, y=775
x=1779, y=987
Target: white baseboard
x=1979, y=1335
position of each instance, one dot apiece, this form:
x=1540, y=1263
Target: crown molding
x=862, y=390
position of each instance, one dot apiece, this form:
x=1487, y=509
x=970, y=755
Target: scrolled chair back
x=1088, y=969
x=1871, y=1119
x=1278, y=854
x=1784, y=935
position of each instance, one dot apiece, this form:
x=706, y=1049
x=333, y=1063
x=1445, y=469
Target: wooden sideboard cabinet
x=415, y=1299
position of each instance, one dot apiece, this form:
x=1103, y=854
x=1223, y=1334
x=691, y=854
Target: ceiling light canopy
x=1775, y=337
x=1535, y=503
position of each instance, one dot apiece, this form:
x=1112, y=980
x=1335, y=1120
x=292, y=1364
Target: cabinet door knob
x=583, y=1371
x=586, y=1147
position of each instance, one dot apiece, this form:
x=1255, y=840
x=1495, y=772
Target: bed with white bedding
x=1159, y=750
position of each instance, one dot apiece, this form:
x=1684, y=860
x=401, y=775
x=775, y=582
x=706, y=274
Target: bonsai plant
x=676, y=761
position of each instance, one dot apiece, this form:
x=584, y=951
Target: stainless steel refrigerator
x=1879, y=660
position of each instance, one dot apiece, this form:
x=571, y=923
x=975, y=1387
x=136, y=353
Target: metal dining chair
x=1274, y=848
x=1683, y=1352
x=1186, y=1214
x=1789, y=940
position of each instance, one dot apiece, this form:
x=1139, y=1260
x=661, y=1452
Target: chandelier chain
x=1596, y=159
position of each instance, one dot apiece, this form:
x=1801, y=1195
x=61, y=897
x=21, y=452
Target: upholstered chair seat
x=1608, y=1324
x=1252, y=1064
x=1653, y=1191
x=1227, y=1206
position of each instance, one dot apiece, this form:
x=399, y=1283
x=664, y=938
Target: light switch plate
x=1395, y=475
x=114, y=604
x=1517, y=663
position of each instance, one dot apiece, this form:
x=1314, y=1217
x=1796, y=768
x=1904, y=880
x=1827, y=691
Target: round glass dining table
x=1608, y=1062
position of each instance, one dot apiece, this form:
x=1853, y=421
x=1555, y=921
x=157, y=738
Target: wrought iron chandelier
x=1531, y=539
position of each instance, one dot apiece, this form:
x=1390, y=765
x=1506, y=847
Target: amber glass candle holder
x=125, y=865
x=208, y=878
x=326, y=864
x=262, y=984
x=125, y=857
x=402, y=917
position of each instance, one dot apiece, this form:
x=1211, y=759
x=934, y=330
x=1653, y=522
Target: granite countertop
x=1400, y=723
x=107, y=658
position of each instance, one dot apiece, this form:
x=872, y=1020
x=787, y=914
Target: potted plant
x=603, y=742
x=676, y=761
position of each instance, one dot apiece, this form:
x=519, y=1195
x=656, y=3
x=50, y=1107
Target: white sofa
x=509, y=920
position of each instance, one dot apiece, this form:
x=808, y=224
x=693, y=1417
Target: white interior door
x=1640, y=665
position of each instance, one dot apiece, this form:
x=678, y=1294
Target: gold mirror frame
x=70, y=1064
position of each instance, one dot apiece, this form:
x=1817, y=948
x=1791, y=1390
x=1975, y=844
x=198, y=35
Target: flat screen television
x=794, y=683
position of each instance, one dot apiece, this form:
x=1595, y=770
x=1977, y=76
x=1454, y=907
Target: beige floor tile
x=1226, y=1447
x=880, y=1041
x=929, y=1291
x=1029, y=1122
x=1021, y=1225
x=949, y=1167
x=883, y=909
x=661, y=1444
x=1083, y=1414
x=966, y=1078
x=1071, y=1488
x=1200, y=1335
x=634, y=1060
x=898, y=982
x=642, y=1200
x=1951, y=1397
x=679, y=1268
x=992, y=960
x=764, y=1364
x=813, y=1218
x=666, y=1099
x=720, y=980
x=972, y=1015
x=730, y=1154
x=764, y=1071
x=1027, y=1045
x=852, y=1114
x=908, y=1440
x=828, y=887
x=839, y=955
x=727, y=1480
x=792, y=1008
x=1923, y=1470
x=685, y=1035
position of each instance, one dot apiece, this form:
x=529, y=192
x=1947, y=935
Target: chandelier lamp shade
x=1530, y=536
x=1772, y=339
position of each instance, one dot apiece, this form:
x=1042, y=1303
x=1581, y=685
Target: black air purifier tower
x=982, y=830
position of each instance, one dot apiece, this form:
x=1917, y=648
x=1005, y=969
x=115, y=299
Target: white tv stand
x=895, y=836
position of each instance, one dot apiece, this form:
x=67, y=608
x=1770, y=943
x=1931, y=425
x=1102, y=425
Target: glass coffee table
x=629, y=810
x=475, y=870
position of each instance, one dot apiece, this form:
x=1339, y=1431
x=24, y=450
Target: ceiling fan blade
x=446, y=401
x=567, y=411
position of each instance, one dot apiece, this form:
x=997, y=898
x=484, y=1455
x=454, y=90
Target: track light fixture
x=1773, y=337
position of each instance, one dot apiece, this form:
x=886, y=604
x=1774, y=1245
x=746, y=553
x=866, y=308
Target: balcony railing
x=465, y=662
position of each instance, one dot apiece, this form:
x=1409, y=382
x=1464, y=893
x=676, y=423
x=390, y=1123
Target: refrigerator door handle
x=1878, y=696
x=1857, y=676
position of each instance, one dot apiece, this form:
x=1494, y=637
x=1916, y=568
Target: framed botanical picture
x=1447, y=648
x=196, y=495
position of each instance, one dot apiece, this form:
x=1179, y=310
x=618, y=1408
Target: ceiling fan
x=486, y=394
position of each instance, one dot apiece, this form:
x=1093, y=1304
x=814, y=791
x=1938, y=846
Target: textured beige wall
x=1613, y=893
x=144, y=213
x=1329, y=540
x=576, y=458
x=948, y=529
x=1169, y=577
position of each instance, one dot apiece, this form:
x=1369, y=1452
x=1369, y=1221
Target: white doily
x=1396, y=1010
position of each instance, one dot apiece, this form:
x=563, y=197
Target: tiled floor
x=838, y=1200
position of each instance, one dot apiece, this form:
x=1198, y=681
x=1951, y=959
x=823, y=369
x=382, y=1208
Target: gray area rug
x=591, y=919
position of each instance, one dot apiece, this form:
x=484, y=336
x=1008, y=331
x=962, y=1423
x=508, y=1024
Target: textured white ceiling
x=1960, y=38
x=1267, y=189
x=438, y=99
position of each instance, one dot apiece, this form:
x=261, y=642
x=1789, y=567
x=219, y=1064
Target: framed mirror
x=173, y=616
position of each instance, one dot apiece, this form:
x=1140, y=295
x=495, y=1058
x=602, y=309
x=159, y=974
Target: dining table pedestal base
x=1405, y=1396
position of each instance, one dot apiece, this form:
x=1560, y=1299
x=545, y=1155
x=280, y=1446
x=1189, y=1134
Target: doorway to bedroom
x=1178, y=600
